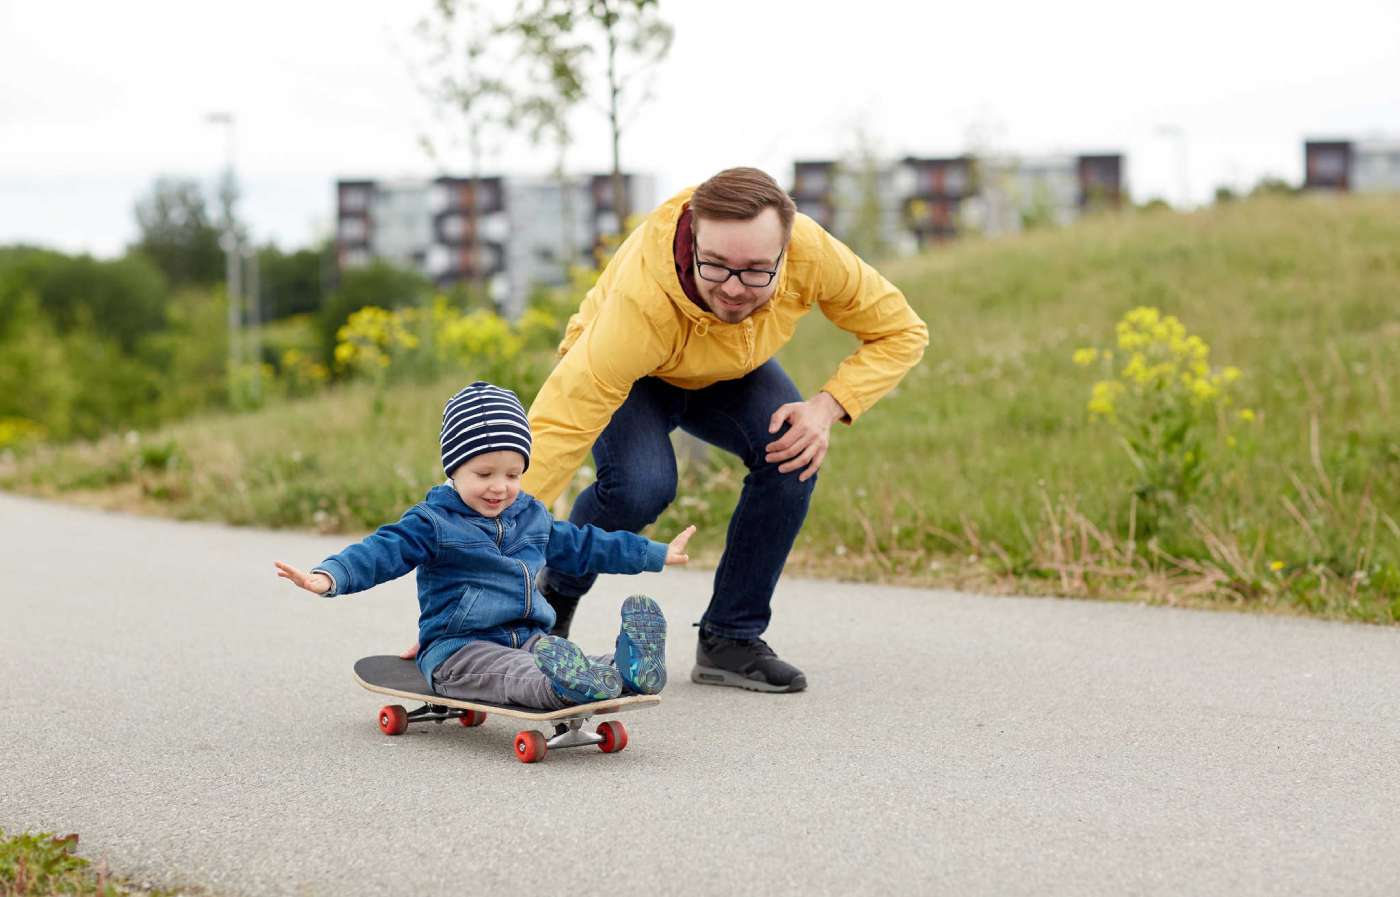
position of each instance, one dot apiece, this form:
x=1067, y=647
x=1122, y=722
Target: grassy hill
x=983, y=469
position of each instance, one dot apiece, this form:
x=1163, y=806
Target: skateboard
x=390, y=675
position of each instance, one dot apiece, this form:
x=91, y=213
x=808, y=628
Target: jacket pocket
x=465, y=604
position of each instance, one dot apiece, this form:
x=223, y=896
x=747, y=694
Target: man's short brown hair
x=740, y=194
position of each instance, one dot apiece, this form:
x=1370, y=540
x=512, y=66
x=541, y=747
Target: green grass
x=986, y=448
x=43, y=864
x=982, y=470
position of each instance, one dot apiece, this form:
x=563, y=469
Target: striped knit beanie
x=483, y=418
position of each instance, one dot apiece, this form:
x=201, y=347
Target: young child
x=478, y=543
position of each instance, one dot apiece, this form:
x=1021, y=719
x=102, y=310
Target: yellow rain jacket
x=637, y=322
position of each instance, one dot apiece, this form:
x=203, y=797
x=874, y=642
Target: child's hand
x=675, y=552
x=319, y=583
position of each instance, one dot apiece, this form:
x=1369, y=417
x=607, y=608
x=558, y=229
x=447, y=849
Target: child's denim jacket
x=476, y=574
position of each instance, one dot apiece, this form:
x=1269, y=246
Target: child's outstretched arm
x=577, y=550
x=319, y=583
x=387, y=553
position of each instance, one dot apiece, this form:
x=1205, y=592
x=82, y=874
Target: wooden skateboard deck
x=394, y=676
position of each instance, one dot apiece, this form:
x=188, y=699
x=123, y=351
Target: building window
x=353, y=230
x=956, y=179
x=812, y=181
x=1328, y=165
x=454, y=228
x=354, y=199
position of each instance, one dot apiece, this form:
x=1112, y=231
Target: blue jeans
x=637, y=481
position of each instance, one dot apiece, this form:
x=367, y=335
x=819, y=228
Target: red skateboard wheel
x=471, y=718
x=393, y=720
x=530, y=746
x=614, y=737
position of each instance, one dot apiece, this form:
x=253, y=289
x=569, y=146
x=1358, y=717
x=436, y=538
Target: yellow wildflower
x=1136, y=369
x=1104, y=394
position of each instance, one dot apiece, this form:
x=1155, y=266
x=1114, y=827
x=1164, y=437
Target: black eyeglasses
x=749, y=277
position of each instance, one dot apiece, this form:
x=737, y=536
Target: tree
x=72, y=329
x=860, y=173
x=562, y=35
x=553, y=87
x=122, y=299
x=177, y=234
x=36, y=384
x=465, y=81
x=290, y=282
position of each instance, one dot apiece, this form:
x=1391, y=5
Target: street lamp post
x=233, y=254
x=253, y=344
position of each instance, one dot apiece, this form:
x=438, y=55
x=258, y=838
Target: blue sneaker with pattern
x=575, y=677
x=640, y=655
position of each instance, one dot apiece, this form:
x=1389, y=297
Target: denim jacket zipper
x=524, y=571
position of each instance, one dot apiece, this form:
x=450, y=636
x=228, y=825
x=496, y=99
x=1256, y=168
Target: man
x=680, y=331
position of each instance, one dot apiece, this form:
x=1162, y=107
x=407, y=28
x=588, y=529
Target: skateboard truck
x=572, y=734
x=435, y=713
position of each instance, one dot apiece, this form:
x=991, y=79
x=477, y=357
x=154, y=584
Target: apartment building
x=510, y=234
x=846, y=201
x=1358, y=166
x=922, y=201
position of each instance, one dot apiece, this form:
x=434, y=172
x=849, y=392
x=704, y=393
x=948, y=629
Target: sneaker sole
x=715, y=676
x=574, y=676
x=640, y=653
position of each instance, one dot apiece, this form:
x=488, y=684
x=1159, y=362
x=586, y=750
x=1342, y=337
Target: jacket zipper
x=525, y=572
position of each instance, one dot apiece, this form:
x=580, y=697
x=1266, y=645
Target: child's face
x=489, y=483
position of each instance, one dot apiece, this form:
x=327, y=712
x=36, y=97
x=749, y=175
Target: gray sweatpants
x=486, y=671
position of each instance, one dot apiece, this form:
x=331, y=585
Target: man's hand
x=809, y=433
x=319, y=583
x=410, y=653
x=675, y=552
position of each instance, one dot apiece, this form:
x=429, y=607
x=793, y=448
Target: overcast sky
x=98, y=99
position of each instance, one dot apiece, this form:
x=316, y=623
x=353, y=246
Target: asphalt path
x=195, y=720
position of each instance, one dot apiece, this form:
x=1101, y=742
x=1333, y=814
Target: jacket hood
x=658, y=239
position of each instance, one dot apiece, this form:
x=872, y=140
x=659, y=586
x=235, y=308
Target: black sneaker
x=564, y=608
x=743, y=663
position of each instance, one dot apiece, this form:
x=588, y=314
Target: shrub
x=1162, y=396
x=381, y=285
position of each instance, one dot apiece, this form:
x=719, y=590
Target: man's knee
x=790, y=484
x=638, y=498
x=796, y=488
